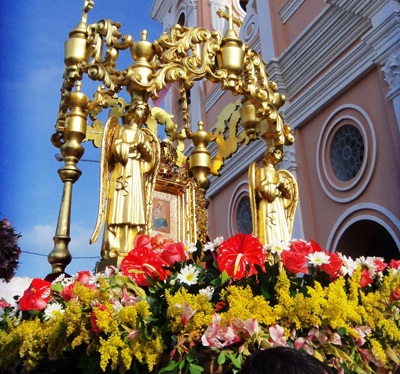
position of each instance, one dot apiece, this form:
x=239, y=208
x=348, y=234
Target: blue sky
x=31, y=69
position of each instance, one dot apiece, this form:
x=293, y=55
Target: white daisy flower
x=349, y=265
x=189, y=247
x=369, y=263
x=52, y=309
x=189, y=274
x=60, y=278
x=277, y=247
x=208, y=291
x=318, y=258
x=211, y=246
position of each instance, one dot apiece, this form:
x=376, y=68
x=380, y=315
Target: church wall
x=290, y=18
x=379, y=182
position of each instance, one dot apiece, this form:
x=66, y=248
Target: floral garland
x=169, y=302
x=9, y=250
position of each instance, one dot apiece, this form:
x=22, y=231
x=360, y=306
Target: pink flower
x=394, y=264
x=187, y=313
x=319, y=335
x=172, y=253
x=133, y=334
x=68, y=292
x=219, y=337
x=4, y=304
x=362, y=331
x=277, y=336
x=83, y=276
x=304, y=344
x=128, y=299
x=210, y=336
x=335, y=339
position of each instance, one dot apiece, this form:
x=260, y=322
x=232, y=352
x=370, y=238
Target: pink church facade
x=338, y=64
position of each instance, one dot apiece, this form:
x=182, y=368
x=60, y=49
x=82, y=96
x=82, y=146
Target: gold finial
x=229, y=16
x=87, y=6
x=143, y=35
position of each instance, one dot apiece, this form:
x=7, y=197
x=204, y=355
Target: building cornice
x=160, y=9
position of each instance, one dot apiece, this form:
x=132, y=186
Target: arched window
x=243, y=216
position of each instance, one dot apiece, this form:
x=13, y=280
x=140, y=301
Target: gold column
x=71, y=151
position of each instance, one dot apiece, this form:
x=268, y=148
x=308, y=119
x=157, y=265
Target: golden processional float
x=136, y=167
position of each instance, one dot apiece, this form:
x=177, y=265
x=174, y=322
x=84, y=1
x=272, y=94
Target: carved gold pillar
x=200, y=159
x=71, y=151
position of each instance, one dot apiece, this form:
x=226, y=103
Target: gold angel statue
x=130, y=158
x=273, y=198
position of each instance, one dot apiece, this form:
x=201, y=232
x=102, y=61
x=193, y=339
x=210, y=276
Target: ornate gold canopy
x=185, y=55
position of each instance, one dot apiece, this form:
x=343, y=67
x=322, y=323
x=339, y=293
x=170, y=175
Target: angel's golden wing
x=252, y=176
x=291, y=206
x=151, y=177
x=105, y=170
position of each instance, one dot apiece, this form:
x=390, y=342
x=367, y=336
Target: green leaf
x=170, y=368
x=224, y=277
x=221, y=358
x=56, y=287
x=195, y=369
x=236, y=361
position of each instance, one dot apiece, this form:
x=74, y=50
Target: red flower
x=394, y=264
x=294, y=262
x=219, y=306
x=365, y=278
x=395, y=295
x=172, y=253
x=160, y=241
x=142, y=262
x=93, y=319
x=334, y=266
x=315, y=247
x=36, y=296
x=4, y=304
x=300, y=246
x=239, y=253
x=143, y=241
x=380, y=265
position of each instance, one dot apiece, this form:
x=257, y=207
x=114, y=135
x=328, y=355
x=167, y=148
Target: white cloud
x=38, y=241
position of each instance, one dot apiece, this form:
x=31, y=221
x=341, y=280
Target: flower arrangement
x=170, y=302
x=9, y=250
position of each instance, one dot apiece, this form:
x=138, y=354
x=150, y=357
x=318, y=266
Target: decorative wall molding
x=160, y=10
x=391, y=71
x=213, y=97
x=289, y=9
x=231, y=170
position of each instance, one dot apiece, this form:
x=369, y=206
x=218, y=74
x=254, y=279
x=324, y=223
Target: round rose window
x=347, y=152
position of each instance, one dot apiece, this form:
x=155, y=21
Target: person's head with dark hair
x=283, y=360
